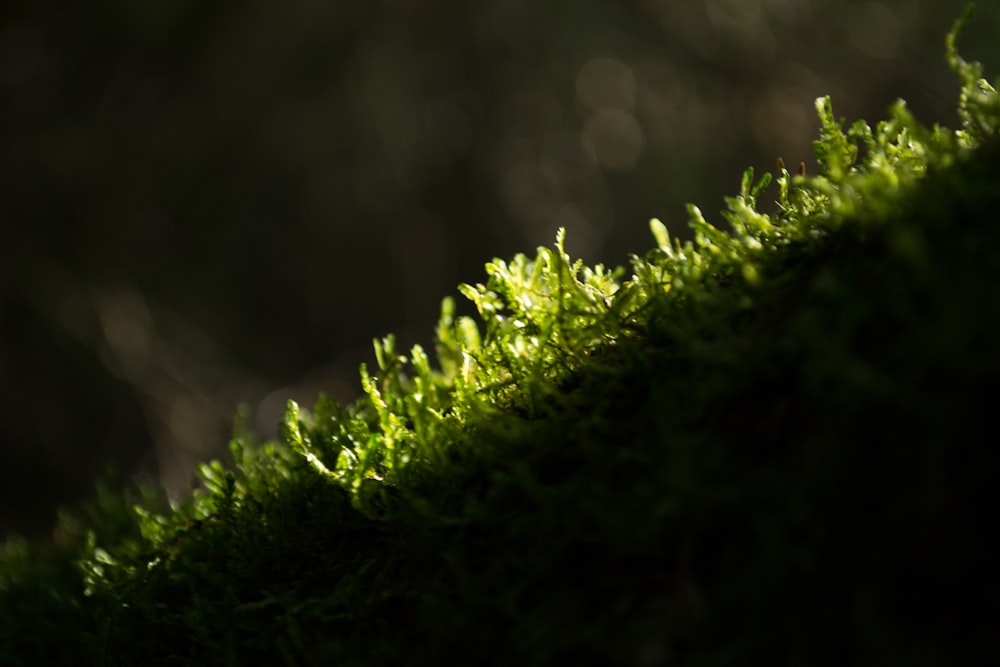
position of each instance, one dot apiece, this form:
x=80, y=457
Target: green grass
x=770, y=445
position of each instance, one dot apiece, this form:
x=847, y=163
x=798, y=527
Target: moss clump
x=766, y=446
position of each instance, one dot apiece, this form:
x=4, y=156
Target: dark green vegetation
x=768, y=446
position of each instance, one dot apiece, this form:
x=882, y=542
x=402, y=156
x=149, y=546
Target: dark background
x=204, y=205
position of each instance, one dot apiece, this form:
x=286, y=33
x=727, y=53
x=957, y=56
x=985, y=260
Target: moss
x=770, y=445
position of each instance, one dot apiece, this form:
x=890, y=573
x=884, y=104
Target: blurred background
x=208, y=205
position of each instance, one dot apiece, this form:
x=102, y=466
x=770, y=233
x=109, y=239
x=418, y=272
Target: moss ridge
x=778, y=425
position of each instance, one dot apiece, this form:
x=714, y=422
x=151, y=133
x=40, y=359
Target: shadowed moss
x=770, y=445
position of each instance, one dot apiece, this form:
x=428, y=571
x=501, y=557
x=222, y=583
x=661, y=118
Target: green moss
x=770, y=445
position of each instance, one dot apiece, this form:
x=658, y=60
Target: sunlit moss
x=608, y=465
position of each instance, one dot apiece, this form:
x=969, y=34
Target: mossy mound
x=768, y=446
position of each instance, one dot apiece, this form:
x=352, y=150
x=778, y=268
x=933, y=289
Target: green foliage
x=756, y=429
